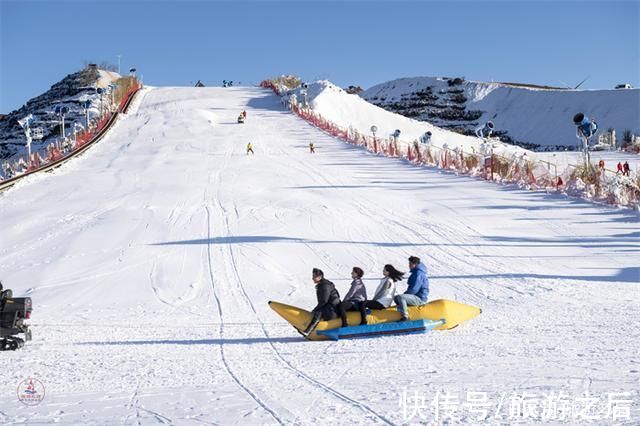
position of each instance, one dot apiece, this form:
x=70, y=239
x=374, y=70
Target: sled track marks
x=287, y=364
x=232, y=264
x=221, y=330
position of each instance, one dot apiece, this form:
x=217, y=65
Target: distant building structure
x=606, y=140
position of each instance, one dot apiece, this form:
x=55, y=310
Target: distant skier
x=485, y=130
x=241, y=118
x=328, y=301
x=417, y=292
x=626, y=169
x=619, y=168
x=250, y=149
x=312, y=148
x=244, y=114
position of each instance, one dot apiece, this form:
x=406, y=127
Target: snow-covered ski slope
x=151, y=259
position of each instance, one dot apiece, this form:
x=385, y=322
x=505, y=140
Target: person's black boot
x=311, y=327
x=343, y=317
x=363, y=319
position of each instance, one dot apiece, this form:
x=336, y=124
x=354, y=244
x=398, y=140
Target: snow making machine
x=13, y=312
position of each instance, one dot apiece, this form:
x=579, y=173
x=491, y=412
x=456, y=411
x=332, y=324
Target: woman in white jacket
x=385, y=292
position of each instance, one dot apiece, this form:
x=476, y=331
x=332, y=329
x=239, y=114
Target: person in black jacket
x=328, y=306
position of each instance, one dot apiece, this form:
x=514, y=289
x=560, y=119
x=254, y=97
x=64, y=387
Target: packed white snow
x=151, y=258
x=347, y=110
x=530, y=113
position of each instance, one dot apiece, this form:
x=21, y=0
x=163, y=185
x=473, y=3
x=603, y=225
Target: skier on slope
x=312, y=148
x=250, y=148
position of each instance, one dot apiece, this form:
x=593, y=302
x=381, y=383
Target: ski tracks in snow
x=291, y=379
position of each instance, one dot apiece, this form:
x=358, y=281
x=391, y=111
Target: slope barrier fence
x=593, y=183
x=56, y=155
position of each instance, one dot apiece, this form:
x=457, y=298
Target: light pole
x=303, y=92
x=396, y=135
x=61, y=111
x=85, y=104
x=374, y=129
x=112, y=89
x=77, y=127
x=118, y=63
x=555, y=174
x=585, y=129
x=25, y=123
x=100, y=91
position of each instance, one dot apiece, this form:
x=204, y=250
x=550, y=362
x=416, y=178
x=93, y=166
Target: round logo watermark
x=31, y=391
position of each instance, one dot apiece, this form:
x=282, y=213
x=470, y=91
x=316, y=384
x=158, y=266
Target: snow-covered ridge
x=332, y=106
x=347, y=110
x=534, y=115
x=67, y=92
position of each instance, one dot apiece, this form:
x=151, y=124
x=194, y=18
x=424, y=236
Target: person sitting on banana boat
x=384, y=293
x=417, y=292
x=328, y=306
x=355, y=297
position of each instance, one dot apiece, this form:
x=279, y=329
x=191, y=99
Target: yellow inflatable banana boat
x=453, y=313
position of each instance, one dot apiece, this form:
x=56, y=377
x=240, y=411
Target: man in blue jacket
x=417, y=290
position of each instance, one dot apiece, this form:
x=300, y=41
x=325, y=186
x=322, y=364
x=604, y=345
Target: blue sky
x=348, y=42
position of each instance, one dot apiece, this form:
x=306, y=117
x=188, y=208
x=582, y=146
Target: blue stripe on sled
x=417, y=326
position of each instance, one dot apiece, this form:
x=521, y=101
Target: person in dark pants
x=355, y=297
x=328, y=301
x=384, y=293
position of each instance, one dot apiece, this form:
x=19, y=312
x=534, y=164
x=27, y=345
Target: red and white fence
x=586, y=182
x=55, y=154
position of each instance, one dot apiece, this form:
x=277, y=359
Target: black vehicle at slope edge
x=13, y=312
